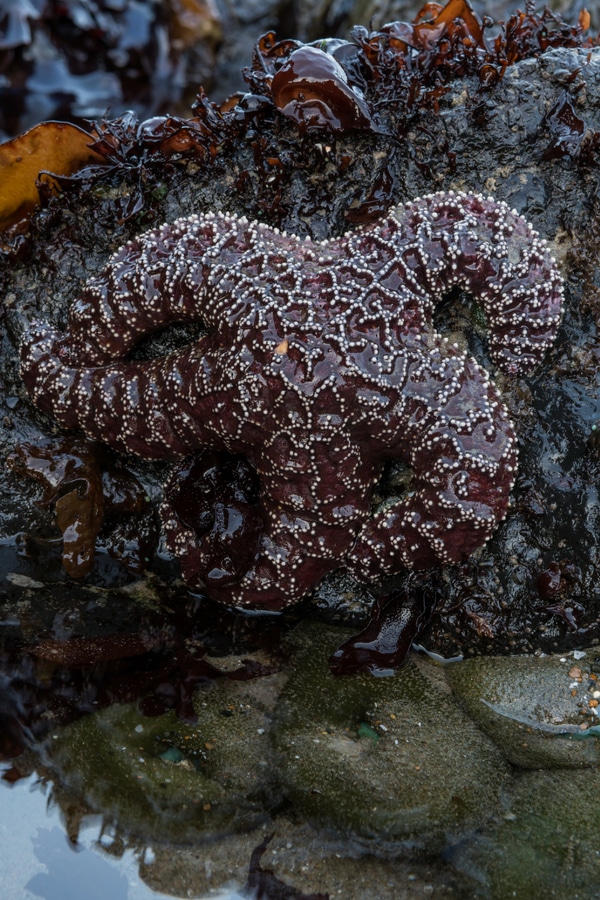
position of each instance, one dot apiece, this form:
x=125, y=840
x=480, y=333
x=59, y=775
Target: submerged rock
x=545, y=845
x=391, y=761
x=165, y=779
x=537, y=711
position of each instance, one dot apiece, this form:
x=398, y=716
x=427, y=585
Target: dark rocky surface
x=68, y=648
x=534, y=585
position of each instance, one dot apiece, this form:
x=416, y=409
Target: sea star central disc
x=320, y=363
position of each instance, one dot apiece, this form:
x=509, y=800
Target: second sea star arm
x=463, y=455
x=130, y=406
x=311, y=508
x=480, y=244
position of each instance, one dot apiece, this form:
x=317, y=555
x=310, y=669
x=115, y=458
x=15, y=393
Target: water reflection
x=38, y=860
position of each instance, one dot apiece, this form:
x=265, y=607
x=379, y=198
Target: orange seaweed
x=51, y=148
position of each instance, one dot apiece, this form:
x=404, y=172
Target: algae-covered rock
x=388, y=760
x=165, y=779
x=546, y=846
x=535, y=710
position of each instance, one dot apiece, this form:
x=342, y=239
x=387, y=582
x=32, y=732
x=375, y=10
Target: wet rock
x=165, y=779
x=547, y=843
x=503, y=141
x=537, y=711
x=391, y=761
x=85, y=487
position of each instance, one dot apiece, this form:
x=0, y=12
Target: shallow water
x=38, y=860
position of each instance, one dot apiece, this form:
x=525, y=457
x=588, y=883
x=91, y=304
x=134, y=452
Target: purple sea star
x=320, y=363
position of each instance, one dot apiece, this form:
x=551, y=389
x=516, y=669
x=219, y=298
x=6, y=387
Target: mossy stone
x=388, y=760
x=546, y=843
x=220, y=781
x=531, y=708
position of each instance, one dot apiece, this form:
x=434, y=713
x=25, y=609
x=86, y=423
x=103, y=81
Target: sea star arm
x=130, y=405
x=167, y=275
x=448, y=423
x=461, y=448
x=478, y=243
x=311, y=502
x=159, y=408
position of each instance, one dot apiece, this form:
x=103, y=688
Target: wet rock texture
x=535, y=584
x=387, y=760
x=395, y=766
x=543, y=843
x=538, y=711
x=325, y=748
x=166, y=780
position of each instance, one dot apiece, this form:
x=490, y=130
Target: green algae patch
x=429, y=773
x=168, y=780
x=545, y=844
